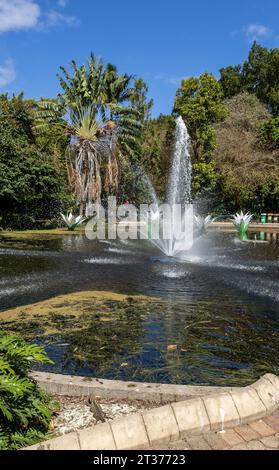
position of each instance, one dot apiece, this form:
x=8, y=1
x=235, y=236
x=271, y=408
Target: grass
x=39, y=233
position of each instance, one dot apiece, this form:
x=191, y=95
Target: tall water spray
x=180, y=178
x=178, y=224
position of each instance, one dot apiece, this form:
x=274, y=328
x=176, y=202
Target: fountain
x=242, y=221
x=170, y=227
x=180, y=178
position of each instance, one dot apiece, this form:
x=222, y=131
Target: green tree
x=104, y=128
x=199, y=102
x=259, y=75
x=269, y=134
x=139, y=100
x=231, y=80
x=32, y=190
x=255, y=71
x=157, y=147
x=248, y=170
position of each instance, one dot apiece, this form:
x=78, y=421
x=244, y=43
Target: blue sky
x=161, y=41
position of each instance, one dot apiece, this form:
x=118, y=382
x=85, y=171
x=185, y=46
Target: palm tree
x=102, y=126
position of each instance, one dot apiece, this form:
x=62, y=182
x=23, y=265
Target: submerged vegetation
x=112, y=335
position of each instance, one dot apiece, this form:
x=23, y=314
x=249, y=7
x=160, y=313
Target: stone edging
x=194, y=416
x=73, y=385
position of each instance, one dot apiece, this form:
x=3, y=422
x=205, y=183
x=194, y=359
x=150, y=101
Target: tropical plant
x=25, y=409
x=103, y=127
x=139, y=101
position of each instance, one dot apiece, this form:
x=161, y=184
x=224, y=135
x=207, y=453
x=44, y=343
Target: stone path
x=259, y=435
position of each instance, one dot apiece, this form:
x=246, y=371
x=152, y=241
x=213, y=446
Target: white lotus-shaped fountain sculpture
x=242, y=222
x=203, y=222
x=241, y=218
x=71, y=221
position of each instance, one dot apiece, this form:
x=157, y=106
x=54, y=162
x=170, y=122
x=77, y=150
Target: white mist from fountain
x=177, y=227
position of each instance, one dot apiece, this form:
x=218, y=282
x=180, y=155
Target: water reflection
x=218, y=307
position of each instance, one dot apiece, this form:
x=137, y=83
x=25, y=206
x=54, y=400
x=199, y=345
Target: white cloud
x=62, y=3
x=175, y=81
x=7, y=73
x=54, y=18
x=256, y=31
x=18, y=14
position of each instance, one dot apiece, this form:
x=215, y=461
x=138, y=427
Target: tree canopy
x=98, y=137
x=248, y=173
x=32, y=190
x=199, y=102
x=259, y=74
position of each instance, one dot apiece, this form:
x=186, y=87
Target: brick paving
x=259, y=435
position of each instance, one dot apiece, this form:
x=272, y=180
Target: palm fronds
x=95, y=111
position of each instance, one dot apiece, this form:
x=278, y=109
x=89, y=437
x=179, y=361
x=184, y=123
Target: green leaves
x=32, y=178
x=199, y=102
x=25, y=410
x=269, y=134
x=257, y=75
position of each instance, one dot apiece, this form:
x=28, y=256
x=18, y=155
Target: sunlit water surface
x=214, y=320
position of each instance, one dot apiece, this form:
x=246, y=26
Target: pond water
x=210, y=318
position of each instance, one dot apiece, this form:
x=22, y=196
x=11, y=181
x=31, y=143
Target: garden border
x=205, y=409
x=73, y=385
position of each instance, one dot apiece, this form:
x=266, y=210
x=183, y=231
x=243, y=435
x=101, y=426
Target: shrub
x=269, y=134
x=248, y=171
x=25, y=409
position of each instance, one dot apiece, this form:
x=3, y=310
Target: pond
x=123, y=311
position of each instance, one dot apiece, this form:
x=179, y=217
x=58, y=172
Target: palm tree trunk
x=82, y=209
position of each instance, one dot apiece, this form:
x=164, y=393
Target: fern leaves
x=25, y=410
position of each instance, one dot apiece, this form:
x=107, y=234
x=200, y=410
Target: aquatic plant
x=25, y=409
x=242, y=221
x=71, y=221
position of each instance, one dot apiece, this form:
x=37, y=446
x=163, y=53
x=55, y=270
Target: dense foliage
x=32, y=182
x=97, y=138
x=234, y=128
x=25, y=410
x=269, y=134
x=259, y=75
x=248, y=175
x=199, y=102
x=103, y=117
x=156, y=150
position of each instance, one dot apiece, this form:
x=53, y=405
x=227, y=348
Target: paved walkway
x=259, y=435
